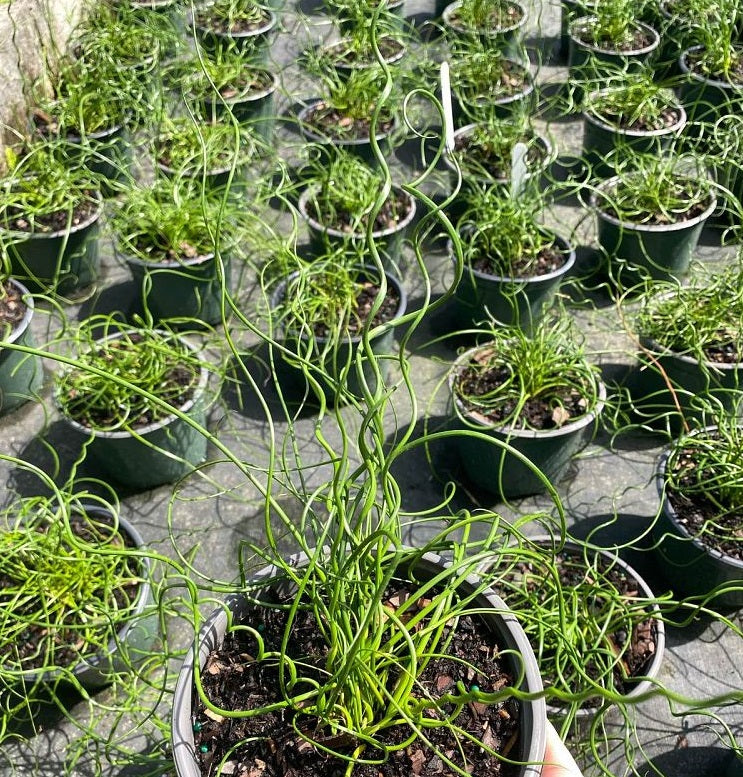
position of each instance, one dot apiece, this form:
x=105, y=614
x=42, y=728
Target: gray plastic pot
x=705, y=99
x=21, y=374
x=64, y=262
x=190, y=289
x=690, y=566
x=532, y=740
x=508, y=40
x=601, y=140
x=361, y=147
x=389, y=242
x=152, y=455
x=585, y=715
x=337, y=373
x=518, y=302
x=690, y=378
x=491, y=463
x=133, y=642
x=660, y=251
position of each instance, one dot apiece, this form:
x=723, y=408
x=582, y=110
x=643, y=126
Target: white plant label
x=518, y=169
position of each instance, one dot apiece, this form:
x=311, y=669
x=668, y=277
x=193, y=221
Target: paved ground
x=608, y=493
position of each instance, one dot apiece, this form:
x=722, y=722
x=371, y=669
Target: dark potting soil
x=58, y=221
x=564, y=405
x=368, y=292
x=733, y=76
x=475, y=156
x=512, y=79
x=324, y=119
x=12, y=309
x=548, y=260
x=724, y=352
x=208, y=21
x=394, y=210
x=65, y=638
x=639, y=40
x=234, y=680
x=699, y=515
x=659, y=219
x=343, y=53
x=636, y=649
x=668, y=118
x=501, y=16
x=250, y=82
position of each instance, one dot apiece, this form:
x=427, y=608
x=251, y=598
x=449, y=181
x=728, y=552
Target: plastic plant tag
x=446, y=104
x=518, y=169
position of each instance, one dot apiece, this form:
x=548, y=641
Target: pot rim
x=661, y=350
x=478, y=422
x=92, y=219
x=686, y=70
x=453, y=7
x=584, y=20
x=20, y=328
x=399, y=227
x=245, y=96
x=527, y=89
x=213, y=629
x=141, y=431
x=266, y=28
x=597, y=121
x=175, y=264
x=344, y=67
x=668, y=509
x=631, y=226
x=542, y=140
x=568, y=247
x=326, y=140
x=144, y=594
x=278, y=294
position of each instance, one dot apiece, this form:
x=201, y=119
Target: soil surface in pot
x=12, y=309
x=548, y=260
x=251, y=81
x=483, y=378
x=232, y=679
x=658, y=218
x=57, y=221
x=696, y=63
x=64, y=638
x=500, y=16
x=326, y=119
x=634, y=650
x=206, y=19
x=639, y=39
x=666, y=119
x=344, y=53
x=394, y=210
x=477, y=155
x=512, y=80
x=368, y=291
x=699, y=514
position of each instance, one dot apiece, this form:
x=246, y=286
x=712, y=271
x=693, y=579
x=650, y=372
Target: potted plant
x=700, y=483
x=340, y=202
x=77, y=603
x=243, y=24
x=349, y=114
x=691, y=357
x=594, y=623
x=513, y=264
x=650, y=216
x=216, y=153
x=523, y=406
x=611, y=35
x=498, y=24
x=21, y=373
x=49, y=221
x=178, y=246
x=631, y=114
x=226, y=83
x=353, y=14
x=337, y=318
x=137, y=397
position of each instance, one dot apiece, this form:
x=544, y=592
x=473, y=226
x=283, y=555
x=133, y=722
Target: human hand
x=557, y=759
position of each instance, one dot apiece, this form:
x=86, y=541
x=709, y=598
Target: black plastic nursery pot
x=338, y=374
x=692, y=567
x=389, y=242
x=134, y=640
x=488, y=457
x=635, y=251
x=21, y=374
x=530, y=748
x=508, y=40
x=393, y=14
x=361, y=146
x=690, y=381
x=152, y=455
x=468, y=106
x=344, y=69
x=107, y=153
x=603, y=141
x=258, y=41
x=705, y=99
x=520, y=301
x=64, y=262
x=570, y=10
x=190, y=289
x=255, y=108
